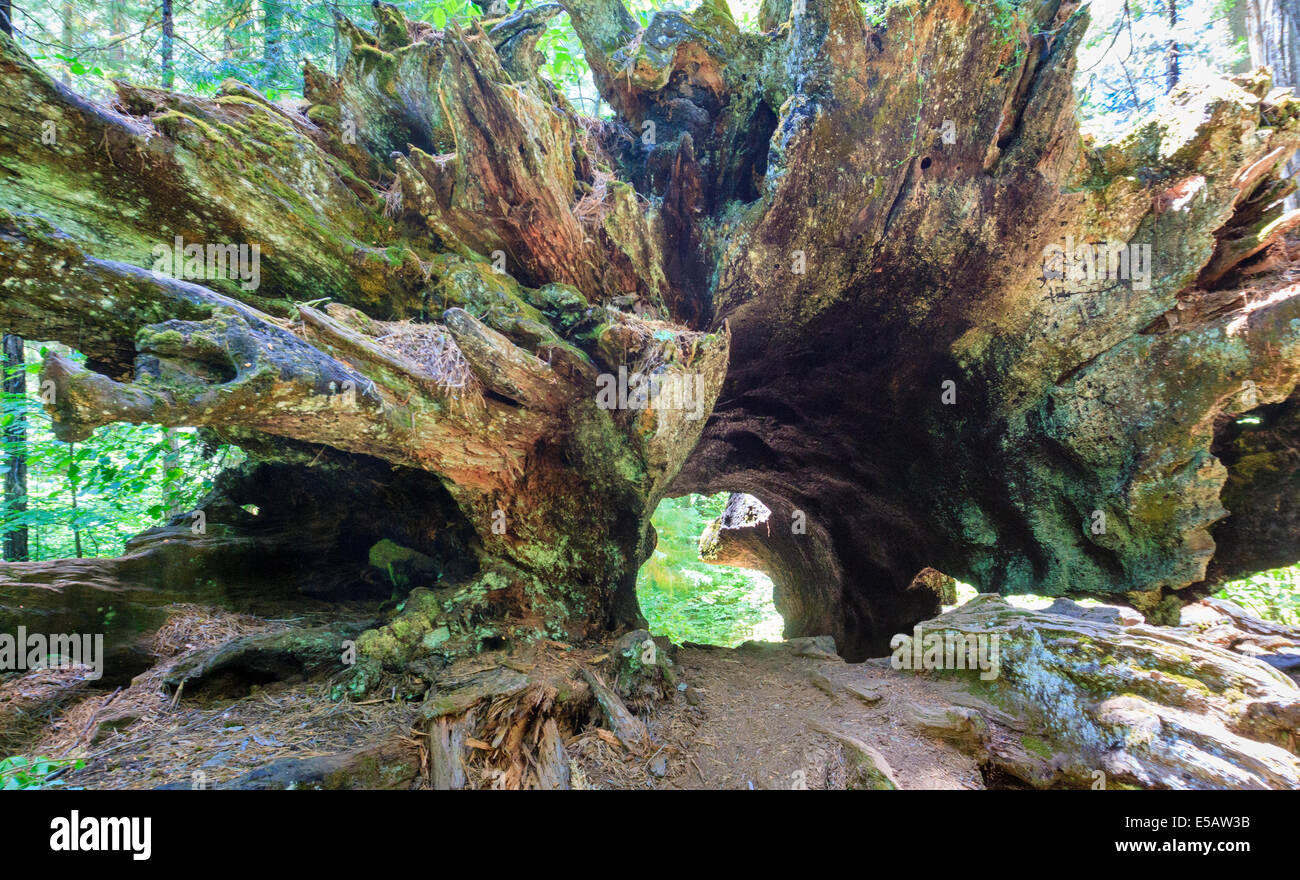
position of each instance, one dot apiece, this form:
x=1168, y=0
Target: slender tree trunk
x=1171, y=53
x=66, y=34
x=1273, y=34
x=339, y=56
x=168, y=39
x=117, y=20
x=72, y=493
x=6, y=17
x=273, y=34
x=171, y=464
x=234, y=40
x=15, y=436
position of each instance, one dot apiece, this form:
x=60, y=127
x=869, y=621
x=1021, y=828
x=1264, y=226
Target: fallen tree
x=1083, y=700
x=544, y=488
x=867, y=254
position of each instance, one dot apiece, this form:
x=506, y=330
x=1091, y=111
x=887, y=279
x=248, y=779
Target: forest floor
x=758, y=716
x=765, y=714
x=143, y=736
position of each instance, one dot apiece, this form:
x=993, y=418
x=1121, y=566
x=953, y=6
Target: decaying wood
x=447, y=753
x=630, y=730
x=1079, y=702
x=859, y=304
x=391, y=765
x=866, y=768
x=263, y=657
x=552, y=759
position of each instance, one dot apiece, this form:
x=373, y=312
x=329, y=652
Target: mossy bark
x=514, y=299
x=848, y=221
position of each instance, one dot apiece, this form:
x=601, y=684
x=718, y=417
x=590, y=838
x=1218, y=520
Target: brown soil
x=752, y=717
x=756, y=725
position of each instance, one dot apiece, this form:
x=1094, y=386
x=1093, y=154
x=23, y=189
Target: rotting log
x=1071, y=701
x=474, y=279
x=837, y=235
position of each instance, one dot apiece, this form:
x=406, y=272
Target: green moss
x=173, y=123
x=160, y=341
x=323, y=114
x=1036, y=746
x=1192, y=684
x=382, y=65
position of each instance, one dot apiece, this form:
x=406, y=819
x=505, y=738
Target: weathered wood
x=447, y=752
x=264, y=657
x=1079, y=702
x=552, y=772
x=630, y=730
x=866, y=768
x=911, y=387
x=388, y=765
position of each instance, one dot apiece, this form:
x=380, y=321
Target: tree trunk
x=273, y=35
x=15, y=438
x=779, y=223
x=168, y=64
x=171, y=475
x=66, y=34
x=234, y=36
x=117, y=19
x=1273, y=34
x=73, y=490
x=1171, y=52
x=1084, y=701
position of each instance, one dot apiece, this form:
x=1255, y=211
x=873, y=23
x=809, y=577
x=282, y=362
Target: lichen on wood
x=833, y=234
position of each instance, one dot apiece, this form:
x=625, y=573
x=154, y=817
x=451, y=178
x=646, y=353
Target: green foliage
x=689, y=600
x=123, y=480
x=18, y=772
x=1122, y=62
x=87, y=43
x=566, y=65
x=1270, y=595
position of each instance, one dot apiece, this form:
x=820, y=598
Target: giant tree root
x=1072, y=697
x=912, y=384
x=265, y=657
x=1081, y=702
x=502, y=721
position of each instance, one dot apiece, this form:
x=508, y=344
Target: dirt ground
x=756, y=717
x=762, y=711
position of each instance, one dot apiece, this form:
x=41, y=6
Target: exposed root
x=492, y=725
